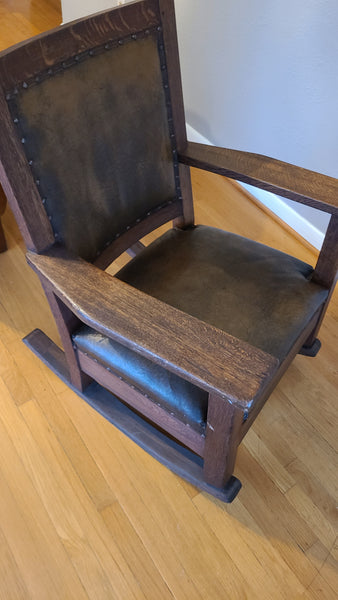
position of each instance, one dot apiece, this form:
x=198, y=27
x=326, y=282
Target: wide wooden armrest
x=194, y=350
x=301, y=185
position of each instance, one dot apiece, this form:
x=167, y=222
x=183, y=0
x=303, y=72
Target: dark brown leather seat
x=253, y=292
x=165, y=388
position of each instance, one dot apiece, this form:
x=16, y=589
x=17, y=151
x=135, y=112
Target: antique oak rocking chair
x=181, y=348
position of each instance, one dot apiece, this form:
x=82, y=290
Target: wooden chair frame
x=238, y=377
x=3, y=202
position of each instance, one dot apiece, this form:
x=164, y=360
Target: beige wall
x=74, y=9
x=262, y=75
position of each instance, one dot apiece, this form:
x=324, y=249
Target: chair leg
x=311, y=349
x=312, y=345
x=66, y=323
x=222, y=438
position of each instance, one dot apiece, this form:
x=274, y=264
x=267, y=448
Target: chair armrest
x=194, y=350
x=301, y=185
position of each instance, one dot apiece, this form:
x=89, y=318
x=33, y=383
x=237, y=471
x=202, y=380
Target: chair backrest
x=90, y=107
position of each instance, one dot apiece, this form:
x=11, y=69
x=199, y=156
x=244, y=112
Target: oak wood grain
x=221, y=441
x=66, y=323
x=194, y=350
x=26, y=60
x=290, y=181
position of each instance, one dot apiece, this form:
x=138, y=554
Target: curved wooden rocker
x=181, y=348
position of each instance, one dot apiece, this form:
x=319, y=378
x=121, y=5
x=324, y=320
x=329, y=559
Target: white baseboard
x=195, y=136
x=303, y=226
x=291, y=217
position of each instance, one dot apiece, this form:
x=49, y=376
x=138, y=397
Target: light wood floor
x=84, y=513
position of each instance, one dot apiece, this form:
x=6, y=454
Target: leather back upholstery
x=97, y=135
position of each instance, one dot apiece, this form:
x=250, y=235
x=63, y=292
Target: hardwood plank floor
x=84, y=513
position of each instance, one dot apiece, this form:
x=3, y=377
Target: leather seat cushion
x=170, y=391
x=253, y=292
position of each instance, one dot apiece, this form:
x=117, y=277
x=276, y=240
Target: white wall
x=265, y=73
x=74, y=9
x=262, y=76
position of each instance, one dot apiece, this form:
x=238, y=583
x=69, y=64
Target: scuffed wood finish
x=59, y=44
x=222, y=438
x=3, y=202
x=301, y=185
x=194, y=350
x=19, y=186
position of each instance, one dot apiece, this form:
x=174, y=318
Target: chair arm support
x=194, y=350
x=301, y=185
x=326, y=271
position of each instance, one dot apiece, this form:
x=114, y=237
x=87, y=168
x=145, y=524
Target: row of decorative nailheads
x=58, y=68
x=136, y=222
x=165, y=81
x=133, y=387
x=10, y=96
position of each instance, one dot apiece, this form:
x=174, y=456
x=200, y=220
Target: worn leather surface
x=256, y=293
x=163, y=387
x=97, y=135
x=253, y=292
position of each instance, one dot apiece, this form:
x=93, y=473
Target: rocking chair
x=181, y=348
